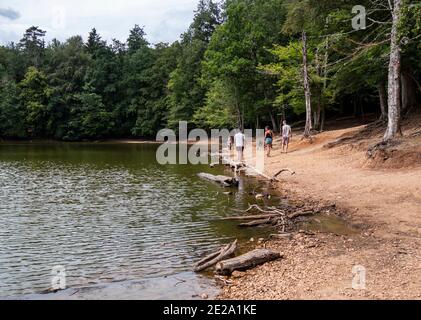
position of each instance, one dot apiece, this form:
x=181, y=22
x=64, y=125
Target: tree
x=12, y=114
x=307, y=92
x=94, y=44
x=238, y=48
x=34, y=96
x=394, y=87
x=153, y=116
x=186, y=89
x=33, y=45
x=240, y=63
x=68, y=64
x=219, y=109
x=136, y=39
x=89, y=118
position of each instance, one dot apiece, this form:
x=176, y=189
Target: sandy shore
x=380, y=197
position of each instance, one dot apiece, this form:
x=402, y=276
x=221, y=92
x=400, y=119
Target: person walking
x=286, y=136
x=239, y=141
x=268, y=140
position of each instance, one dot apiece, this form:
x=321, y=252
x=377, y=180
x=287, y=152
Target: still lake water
x=110, y=215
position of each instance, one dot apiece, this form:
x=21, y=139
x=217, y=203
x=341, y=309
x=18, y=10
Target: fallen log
x=216, y=257
x=223, y=180
x=273, y=178
x=247, y=261
x=256, y=223
x=256, y=217
x=208, y=258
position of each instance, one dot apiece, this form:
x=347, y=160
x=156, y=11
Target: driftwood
x=282, y=171
x=215, y=257
x=273, y=178
x=223, y=180
x=256, y=223
x=246, y=261
x=256, y=217
x=236, y=165
x=271, y=210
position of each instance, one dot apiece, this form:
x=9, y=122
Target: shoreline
x=381, y=203
x=94, y=142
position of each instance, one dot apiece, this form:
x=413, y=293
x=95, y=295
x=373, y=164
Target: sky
x=163, y=20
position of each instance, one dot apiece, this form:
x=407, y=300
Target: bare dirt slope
x=380, y=194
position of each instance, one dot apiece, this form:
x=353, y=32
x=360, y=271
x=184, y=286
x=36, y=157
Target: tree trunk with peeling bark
x=308, y=127
x=394, y=86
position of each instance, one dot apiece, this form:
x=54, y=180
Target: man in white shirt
x=286, y=136
x=239, y=140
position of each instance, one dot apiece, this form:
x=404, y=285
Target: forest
x=241, y=63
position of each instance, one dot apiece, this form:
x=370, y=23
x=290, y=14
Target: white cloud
x=164, y=20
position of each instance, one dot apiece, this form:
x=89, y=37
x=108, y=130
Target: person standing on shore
x=286, y=136
x=239, y=140
x=268, y=140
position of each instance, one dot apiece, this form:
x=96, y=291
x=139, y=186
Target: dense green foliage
x=238, y=64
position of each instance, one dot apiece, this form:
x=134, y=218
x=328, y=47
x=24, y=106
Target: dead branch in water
x=255, y=217
x=223, y=180
x=256, y=223
x=216, y=257
x=270, y=211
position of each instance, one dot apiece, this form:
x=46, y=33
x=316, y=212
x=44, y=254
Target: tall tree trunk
x=326, y=60
x=308, y=127
x=394, y=98
x=409, y=98
x=273, y=119
x=383, y=100
x=404, y=92
x=317, y=113
x=237, y=106
x=323, y=119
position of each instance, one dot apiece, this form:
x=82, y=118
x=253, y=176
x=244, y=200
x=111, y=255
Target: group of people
x=240, y=140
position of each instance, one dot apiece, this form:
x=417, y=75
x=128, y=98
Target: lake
x=120, y=224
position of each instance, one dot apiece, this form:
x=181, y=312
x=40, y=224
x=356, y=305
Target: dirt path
x=384, y=203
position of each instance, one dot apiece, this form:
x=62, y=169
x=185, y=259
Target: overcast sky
x=164, y=20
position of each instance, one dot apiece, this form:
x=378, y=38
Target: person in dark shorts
x=268, y=140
